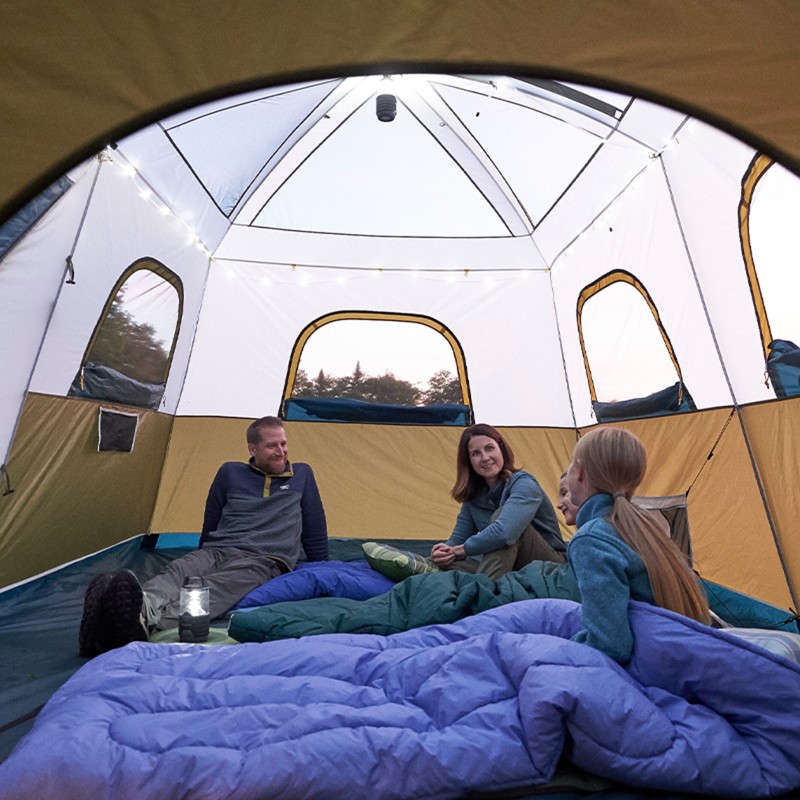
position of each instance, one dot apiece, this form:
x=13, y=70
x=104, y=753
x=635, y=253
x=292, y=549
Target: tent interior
x=536, y=253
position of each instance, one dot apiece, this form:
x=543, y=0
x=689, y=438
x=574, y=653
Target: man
x=258, y=515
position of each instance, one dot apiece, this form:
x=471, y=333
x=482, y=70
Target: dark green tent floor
x=39, y=624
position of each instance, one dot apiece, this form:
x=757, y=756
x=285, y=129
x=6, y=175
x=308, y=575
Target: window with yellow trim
x=130, y=351
x=630, y=365
x=775, y=242
x=385, y=367
x=769, y=212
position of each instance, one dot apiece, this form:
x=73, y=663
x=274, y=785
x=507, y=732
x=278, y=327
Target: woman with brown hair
x=505, y=521
x=621, y=552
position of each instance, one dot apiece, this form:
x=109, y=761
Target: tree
x=128, y=346
x=389, y=389
x=303, y=386
x=443, y=388
x=356, y=379
x=324, y=385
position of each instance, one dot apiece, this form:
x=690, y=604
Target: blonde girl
x=621, y=552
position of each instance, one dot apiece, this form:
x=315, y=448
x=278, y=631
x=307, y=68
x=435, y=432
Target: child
x=565, y=505
x=621, y=552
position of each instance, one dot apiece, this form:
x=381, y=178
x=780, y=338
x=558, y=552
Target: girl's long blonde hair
x=615, y=462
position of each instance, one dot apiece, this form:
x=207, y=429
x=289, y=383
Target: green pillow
x=396, y=564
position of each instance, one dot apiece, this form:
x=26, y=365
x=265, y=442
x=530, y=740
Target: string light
x=306, y=274
x=149, y=195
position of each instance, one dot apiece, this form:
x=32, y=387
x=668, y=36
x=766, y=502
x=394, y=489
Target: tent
x=542, y=159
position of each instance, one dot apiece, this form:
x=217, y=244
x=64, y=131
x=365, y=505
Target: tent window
x=377, y=367
x=131, y=349
x=769, y=213
x=630, y=364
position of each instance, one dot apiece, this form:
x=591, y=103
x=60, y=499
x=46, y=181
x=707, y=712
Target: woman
x=621, y=552
x=505, y=521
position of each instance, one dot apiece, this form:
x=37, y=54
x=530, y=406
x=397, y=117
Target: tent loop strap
x=70, y=269
x=713, y=448
x=6, y=480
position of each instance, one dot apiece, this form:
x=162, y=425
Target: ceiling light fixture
x=386, y=107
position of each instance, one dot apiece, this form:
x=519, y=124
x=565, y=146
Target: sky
x=410, y=350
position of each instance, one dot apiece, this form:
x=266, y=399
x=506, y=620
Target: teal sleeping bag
x=431, y=599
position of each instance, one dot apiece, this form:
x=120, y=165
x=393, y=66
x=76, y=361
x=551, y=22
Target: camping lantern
x=194, y=611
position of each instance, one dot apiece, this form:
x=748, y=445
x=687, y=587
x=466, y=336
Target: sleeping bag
x=428, y=599
x=487, y=704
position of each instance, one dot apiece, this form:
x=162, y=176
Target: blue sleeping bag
x=486, y=704
x=353, y=579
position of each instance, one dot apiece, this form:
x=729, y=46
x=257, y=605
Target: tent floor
x=39, y=624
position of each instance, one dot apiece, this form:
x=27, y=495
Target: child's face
x=580, y=490
x=565, y=504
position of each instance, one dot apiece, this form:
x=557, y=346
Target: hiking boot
x=396, y=564
x=88, y=644
x=120, y=619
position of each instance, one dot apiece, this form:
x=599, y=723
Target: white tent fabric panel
x=642, y=238
x=25, y=304
x=239, y=365
x=511, y=345
x=152, y=161
x=618, y=163
x=706, y=173
x=230, y=142
x=120, y=228
x=531, y=150
x=379, y=252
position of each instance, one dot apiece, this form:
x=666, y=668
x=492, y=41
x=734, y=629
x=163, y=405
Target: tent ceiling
x=465, y=156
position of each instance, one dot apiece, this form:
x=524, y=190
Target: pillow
x=396, y=564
